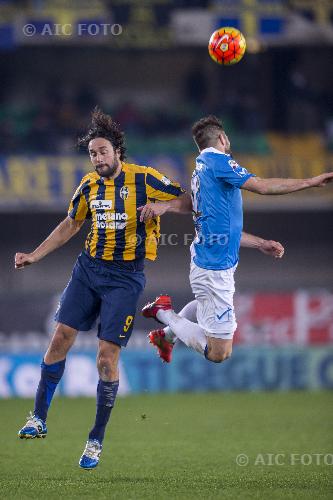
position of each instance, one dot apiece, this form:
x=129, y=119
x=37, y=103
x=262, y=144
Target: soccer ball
x=227, y=46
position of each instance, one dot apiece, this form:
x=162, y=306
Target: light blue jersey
x=217, y=206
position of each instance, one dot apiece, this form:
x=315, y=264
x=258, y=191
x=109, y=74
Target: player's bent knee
x=219, y=356
x=63, y=338
x=64, y=333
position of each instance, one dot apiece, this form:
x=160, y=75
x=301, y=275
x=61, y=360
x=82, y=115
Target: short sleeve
x=228, y=170
x=160, y=188
x=78, y=208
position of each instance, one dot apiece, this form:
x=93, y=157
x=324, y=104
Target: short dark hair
x=206, y=131
x=102, y=125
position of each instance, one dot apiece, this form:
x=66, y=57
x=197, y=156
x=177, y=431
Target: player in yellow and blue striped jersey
x=108, y=276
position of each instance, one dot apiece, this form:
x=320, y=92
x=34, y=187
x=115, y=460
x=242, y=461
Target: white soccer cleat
x=91, y=454
x=34, y=428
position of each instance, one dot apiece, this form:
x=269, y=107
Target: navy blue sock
x=50, y=377
x=106, y=395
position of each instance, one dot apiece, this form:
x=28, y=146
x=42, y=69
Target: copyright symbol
x=29, y=30
x=242, y=460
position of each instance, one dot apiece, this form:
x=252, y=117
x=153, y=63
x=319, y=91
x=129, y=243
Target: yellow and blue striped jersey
x=116, y=231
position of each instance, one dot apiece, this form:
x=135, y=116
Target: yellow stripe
x=153, y=234
x=81, y=209
x=92, y=236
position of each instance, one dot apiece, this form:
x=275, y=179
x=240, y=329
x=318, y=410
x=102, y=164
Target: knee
x=64, y=333
x=63, y=338
x=218, y=356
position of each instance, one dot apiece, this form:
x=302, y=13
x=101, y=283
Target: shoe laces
x=33, y=421
x=93, y=449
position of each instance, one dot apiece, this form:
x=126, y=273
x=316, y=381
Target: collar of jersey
x=213, y=150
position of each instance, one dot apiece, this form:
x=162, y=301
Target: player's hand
x=23, y=259
x=321, y=180
x=152, y=210
x=273, y=248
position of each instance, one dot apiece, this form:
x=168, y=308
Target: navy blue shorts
x=109, y=290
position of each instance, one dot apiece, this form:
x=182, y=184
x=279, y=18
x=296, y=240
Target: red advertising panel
x=301, y=317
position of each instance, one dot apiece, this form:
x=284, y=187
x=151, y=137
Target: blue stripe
x=101, y=232
x=76, y=200
x=141, y=199
x=160, y=186
x=86, y=192
x=119, y=206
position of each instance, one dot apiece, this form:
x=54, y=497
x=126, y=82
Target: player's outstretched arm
x=268, y=247
x=61, y=234
x=182, y=205
x=285, y=186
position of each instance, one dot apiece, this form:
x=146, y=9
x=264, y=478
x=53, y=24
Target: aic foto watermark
x=79, y=29
x=270, y=459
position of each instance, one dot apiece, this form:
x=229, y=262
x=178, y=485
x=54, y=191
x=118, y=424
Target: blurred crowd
x=48, y=120
x=51, y=124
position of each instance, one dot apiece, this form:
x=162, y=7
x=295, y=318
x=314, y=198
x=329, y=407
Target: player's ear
x=222, y=140
x=226, y=140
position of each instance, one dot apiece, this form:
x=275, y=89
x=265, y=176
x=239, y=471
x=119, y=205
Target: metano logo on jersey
x=111, y=220
x=101, y=204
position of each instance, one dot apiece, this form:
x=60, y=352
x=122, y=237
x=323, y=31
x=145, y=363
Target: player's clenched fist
x=23, y=260
x=152, y=210
x=273, y=248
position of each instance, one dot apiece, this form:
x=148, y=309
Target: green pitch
x=175, y=447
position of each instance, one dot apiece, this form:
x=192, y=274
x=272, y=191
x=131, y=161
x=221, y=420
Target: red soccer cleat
x=161, y=302
x=157, y=339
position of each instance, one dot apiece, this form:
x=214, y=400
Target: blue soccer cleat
x=34, y=428
x=91, y=454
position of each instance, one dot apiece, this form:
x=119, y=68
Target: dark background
x=275, y=104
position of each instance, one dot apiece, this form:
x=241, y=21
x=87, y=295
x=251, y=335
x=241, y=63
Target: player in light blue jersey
x=217, y=208
x=208, y=323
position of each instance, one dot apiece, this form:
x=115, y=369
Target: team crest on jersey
x=166, y=181
x=101, y=204
x=237, y=168
x=124, y=192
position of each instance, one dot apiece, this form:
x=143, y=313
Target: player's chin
x=102, y=169
x=105, y=171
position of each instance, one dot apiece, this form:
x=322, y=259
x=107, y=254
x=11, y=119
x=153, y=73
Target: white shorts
x=214, y=291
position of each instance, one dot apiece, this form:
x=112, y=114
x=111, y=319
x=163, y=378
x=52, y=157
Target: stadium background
x=181, y=428
x=153, y=74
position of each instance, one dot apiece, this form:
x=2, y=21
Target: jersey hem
x=213, y=268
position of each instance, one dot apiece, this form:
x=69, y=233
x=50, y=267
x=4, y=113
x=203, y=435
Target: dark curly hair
x=102, y=125
x=206, y=131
